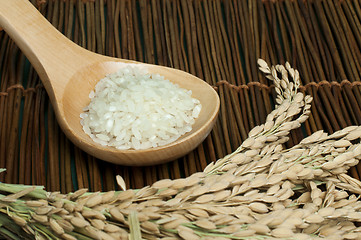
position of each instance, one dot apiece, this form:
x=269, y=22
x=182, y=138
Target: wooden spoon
x=69, y=72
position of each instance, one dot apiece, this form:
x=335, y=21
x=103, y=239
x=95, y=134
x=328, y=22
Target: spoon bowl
x=69, y=73
x=74, y=101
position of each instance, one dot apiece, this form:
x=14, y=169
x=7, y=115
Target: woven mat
x=218, y=41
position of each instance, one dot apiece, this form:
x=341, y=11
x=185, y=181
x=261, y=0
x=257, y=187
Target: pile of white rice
x=132, y=109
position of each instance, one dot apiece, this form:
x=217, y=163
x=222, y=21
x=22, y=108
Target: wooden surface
x=69, y=73
x=218, y=41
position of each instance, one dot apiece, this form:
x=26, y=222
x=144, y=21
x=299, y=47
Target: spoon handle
x=54, y=57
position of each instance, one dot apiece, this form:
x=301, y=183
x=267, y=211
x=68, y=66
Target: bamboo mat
x=218, y=41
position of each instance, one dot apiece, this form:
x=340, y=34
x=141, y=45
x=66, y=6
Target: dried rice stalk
x=261, y=190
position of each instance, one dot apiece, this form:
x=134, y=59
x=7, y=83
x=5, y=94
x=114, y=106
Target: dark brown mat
x=219, y=41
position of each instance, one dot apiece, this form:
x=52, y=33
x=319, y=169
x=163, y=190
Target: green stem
x=7, y=225
x=79, y=236
x=8, y=234
x=38, y=193
x=315, y=160
x=46, y=232
x=134, y=227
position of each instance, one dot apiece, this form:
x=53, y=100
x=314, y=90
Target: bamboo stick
x=178, y=23
x=157, y=33
x=38, y=163
x=173, y=46
x=26, y=138
x=81, y=16
x=204, y=38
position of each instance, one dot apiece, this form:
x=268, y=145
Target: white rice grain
x=132, y=109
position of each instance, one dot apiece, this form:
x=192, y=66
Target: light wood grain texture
x=70, y=72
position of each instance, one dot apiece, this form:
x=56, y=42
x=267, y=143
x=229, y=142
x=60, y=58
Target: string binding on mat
x=302, y=87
